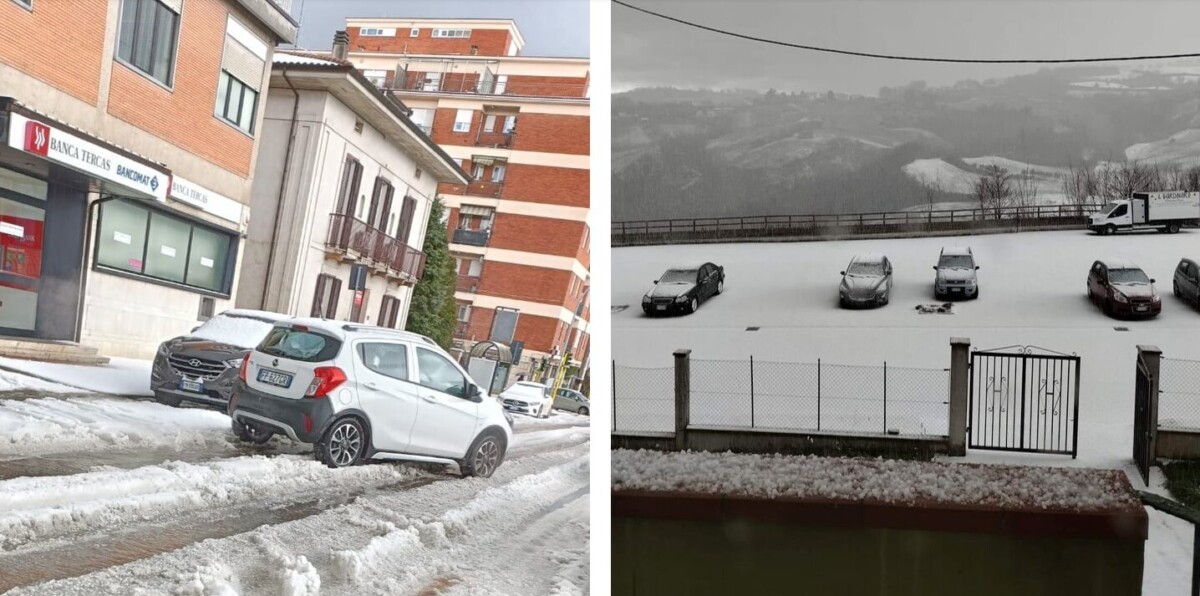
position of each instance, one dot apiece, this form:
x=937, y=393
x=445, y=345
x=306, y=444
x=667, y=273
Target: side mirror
x=977, y=267
x=1152, y=280
x=656, y=282
x=841, y=273
x=935, y=267
x=194, y=329
x=474, y=393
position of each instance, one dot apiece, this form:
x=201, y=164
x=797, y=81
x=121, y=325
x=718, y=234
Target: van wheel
x=1110, y=229
x=343, y=444
x=485, y=455
x=1173, y=228
x=251, y=432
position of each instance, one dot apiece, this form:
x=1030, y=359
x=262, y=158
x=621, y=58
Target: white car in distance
x=529, y=398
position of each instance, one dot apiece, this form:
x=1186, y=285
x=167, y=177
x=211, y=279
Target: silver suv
x=956, y=277
x=360, y=392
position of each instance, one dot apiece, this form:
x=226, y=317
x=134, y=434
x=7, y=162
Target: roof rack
x=352, y=327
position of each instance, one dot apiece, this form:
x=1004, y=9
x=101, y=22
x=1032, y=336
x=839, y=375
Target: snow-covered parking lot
x=1032, y=292
x=108, y=495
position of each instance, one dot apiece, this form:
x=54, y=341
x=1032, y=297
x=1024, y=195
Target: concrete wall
x=737, y=556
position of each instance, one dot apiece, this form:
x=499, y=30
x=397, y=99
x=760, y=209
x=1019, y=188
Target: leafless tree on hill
x=994, y=190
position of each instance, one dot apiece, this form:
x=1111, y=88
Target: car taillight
x=325, y=379
x=242, y=370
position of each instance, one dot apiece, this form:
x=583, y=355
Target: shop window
x=145, y=242
x=236, y=102
x=149, y=31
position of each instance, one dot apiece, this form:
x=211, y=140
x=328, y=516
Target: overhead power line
x=898, y=57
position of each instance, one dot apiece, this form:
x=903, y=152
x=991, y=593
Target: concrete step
x=51, y=351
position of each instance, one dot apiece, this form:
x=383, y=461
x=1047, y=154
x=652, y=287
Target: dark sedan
x=1123, y=289
x=202, y=366
x=1187, y=282
x=683, y=289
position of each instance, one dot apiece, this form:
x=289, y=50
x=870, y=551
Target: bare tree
x=931, y=188
x=1025, y=190
x=994, y=189
x=1121, y=180
x=1080, y=185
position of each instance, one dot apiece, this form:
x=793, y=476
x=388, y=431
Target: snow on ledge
x=876, y=480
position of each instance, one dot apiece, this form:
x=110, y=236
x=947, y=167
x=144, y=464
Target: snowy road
x=97, y=488
x=1032, y=292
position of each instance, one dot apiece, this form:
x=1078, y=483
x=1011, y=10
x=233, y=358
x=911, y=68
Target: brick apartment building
x=126, y=154
x=519, y=126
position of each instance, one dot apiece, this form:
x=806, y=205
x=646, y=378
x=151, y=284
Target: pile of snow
x=938, y=173
x=121, y=376
x=241, y=328
x=40, y=508
x=13, y=381
x=51, y=425
x=879, y=480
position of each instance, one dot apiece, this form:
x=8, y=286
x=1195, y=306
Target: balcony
x=467, y=283
x=471, y=237
x=497, y=140
x=471, y=83
x=355, y=240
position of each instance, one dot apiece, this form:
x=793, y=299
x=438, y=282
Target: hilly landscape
x=682, y=153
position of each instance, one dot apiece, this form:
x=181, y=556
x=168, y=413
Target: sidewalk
x=122, y=376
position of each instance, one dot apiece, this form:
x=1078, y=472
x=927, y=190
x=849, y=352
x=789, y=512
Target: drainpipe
x=88, y=255
x=287, y=167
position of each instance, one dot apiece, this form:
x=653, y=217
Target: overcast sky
x=648, y=51
x=550, y=27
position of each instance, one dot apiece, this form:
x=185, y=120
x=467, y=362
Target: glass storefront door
x=22, y=221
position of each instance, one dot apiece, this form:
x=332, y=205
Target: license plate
x=660, y=307
x=193, y=386
x=1141, y=308
x=275, y=378
x=956, y=290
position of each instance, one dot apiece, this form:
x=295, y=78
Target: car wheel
x=582, y=411
x=251, y=432
x=694, y=305
x=1110, y=229
x=485, y=455
x=343, y=444
x=168, y=400
x=720, y=286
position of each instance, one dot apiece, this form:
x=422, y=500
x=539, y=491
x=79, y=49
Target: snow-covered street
x=100, y=494
x=1032, y=292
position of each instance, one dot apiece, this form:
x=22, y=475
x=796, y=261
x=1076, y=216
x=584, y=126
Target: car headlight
x=646, y=299
x=234, y=363
x=1119, y=297
x=1155, y=299
x=681, y=299
x=844, y=287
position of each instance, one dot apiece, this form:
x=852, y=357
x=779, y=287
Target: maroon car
x=1123, y=289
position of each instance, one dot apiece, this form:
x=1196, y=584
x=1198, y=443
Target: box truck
x=1163, y=211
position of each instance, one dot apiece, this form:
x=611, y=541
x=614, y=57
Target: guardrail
x=668, y=231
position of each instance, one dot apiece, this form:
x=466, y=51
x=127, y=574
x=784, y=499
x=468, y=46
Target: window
x=404, y=228
x=452, y=33
x=389, y=312
x=477, y=171
x=414, y=32
x=381, y=204
x=236, y=102
x=148, y=35
x=433, y=81
x=510, y=122
x=26, y=3
x=389, y=360
x=325, y=298
x=501, y=84
x=305, y=346
x=498, y=173
x=439, y=374
x=377, y=32
x=146, y=242
x=464, y=312
x=348, y=191
x=489, y=123
x=377, y=77
x=462, y=120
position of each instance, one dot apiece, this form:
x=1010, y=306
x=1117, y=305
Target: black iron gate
x=1022, y=401
x=1145, y=422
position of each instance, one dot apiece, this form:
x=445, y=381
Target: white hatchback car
x=361, y=392
x=527, y=397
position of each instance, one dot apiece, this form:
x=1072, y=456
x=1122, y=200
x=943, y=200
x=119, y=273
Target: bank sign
x=71, y=151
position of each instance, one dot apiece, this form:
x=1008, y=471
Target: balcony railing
x=461, y=329
x=472, y=237
x=467, y=283
x=370, y=245
x=472, y=84
x=502, y=140
x=480, y=188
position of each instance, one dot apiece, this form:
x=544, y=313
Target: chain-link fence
x=643, y=399
x=788, y=396
x=1179, y=394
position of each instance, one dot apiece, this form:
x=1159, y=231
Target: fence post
x=818, y=394
x=683, y=389
x=752, y=391
x=614, y=393
x=960, y=378
x=885, y=397
x=1151, y=356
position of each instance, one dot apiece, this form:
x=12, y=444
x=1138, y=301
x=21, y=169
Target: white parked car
x=529, y=398
x=361, y=392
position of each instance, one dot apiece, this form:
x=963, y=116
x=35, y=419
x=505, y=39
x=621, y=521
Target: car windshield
x=865, y=269
x=956, y=262
x=1127, y=276
x=679, y=276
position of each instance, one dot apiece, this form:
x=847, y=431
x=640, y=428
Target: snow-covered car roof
x=868, y=257
x=957, y=250
x=1119, y=264
x=238, y=327
x=693, y=267
x=257, y=314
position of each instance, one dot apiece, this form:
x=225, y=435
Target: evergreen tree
x=433, y=312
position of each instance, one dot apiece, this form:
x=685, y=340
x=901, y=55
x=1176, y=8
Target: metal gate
x=1022, y=401
x=1145, y=420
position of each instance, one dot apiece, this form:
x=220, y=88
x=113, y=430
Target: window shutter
x=333, y=301
x=406, y=217
x=376, y=200
x=319, y=296
x=385, y=211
